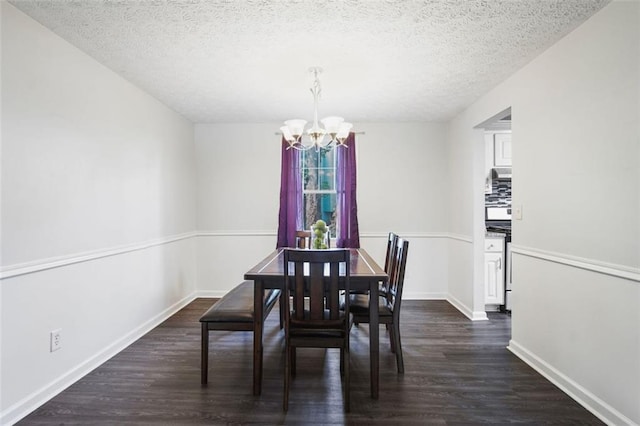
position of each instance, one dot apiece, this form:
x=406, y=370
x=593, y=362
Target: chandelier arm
x=300, y=147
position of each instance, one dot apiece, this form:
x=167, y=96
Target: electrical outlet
x=56, y=340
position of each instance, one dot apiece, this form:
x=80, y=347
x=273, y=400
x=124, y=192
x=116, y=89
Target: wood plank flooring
x=458, y=372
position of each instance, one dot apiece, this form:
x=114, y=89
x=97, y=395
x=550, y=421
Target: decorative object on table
x=334, y=127
x=320, y=231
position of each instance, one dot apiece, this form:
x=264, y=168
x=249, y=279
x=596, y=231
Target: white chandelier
x=334, y=127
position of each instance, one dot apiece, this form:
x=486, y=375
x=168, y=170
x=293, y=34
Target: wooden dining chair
x=314, y=318
x=303, y=239
x=389, y=301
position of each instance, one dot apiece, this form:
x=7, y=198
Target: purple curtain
x=348, y=234
x=290, y=216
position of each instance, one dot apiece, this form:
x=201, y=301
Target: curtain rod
x=355, y=133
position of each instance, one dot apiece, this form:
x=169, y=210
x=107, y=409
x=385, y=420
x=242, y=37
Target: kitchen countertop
x=494, y=235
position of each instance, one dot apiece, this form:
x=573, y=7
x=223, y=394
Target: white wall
x=465, y=201
x=238, y=192
x=402, y=187
x=97, y=213
x=576, y=172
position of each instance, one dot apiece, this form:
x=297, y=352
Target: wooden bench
x=234, y=312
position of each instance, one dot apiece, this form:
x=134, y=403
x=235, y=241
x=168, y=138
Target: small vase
x=319, y=236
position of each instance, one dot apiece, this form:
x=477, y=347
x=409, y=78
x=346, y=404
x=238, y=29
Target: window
x=317, y=185
x=318, y=168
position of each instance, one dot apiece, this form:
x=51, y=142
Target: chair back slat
x=299, y=286
x=316, y=291
x=333, y=302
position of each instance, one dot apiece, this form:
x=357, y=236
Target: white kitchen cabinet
x=502, y=149
x=494, y=271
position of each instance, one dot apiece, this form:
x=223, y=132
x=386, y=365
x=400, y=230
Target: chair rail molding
x=615, y=270
x=57, y=262
x=262, y=233
x=16, y=270
x=236, y=233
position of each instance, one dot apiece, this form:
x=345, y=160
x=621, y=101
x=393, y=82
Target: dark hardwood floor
x=457, y=372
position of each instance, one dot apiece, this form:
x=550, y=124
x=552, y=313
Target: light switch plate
x=517, y=212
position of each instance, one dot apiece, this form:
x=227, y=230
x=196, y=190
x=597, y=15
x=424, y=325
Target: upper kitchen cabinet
x=497, y=154
x=502, y=149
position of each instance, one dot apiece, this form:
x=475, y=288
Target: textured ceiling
x=247, y=60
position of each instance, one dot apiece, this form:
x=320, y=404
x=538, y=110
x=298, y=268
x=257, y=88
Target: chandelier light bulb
x=343, y=132
x=286, y=133
x=296, y=127
x=332, y=125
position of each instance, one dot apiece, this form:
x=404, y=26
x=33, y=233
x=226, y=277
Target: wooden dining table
x=365, y=274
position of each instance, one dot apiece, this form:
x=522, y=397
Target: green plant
x=319, y=234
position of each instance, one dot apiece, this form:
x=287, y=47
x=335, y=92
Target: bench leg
x=204, y=363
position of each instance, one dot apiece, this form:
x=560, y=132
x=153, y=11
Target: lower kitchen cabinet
x=494, y=271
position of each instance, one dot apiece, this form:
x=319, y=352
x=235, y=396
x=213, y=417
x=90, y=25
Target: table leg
x=374, y=339
x=258, y=326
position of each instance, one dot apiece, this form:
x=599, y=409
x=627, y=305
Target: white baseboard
x=595, y=405
x=469, y=313
x=417, y=295
x=28, y=404
x=210, y=294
